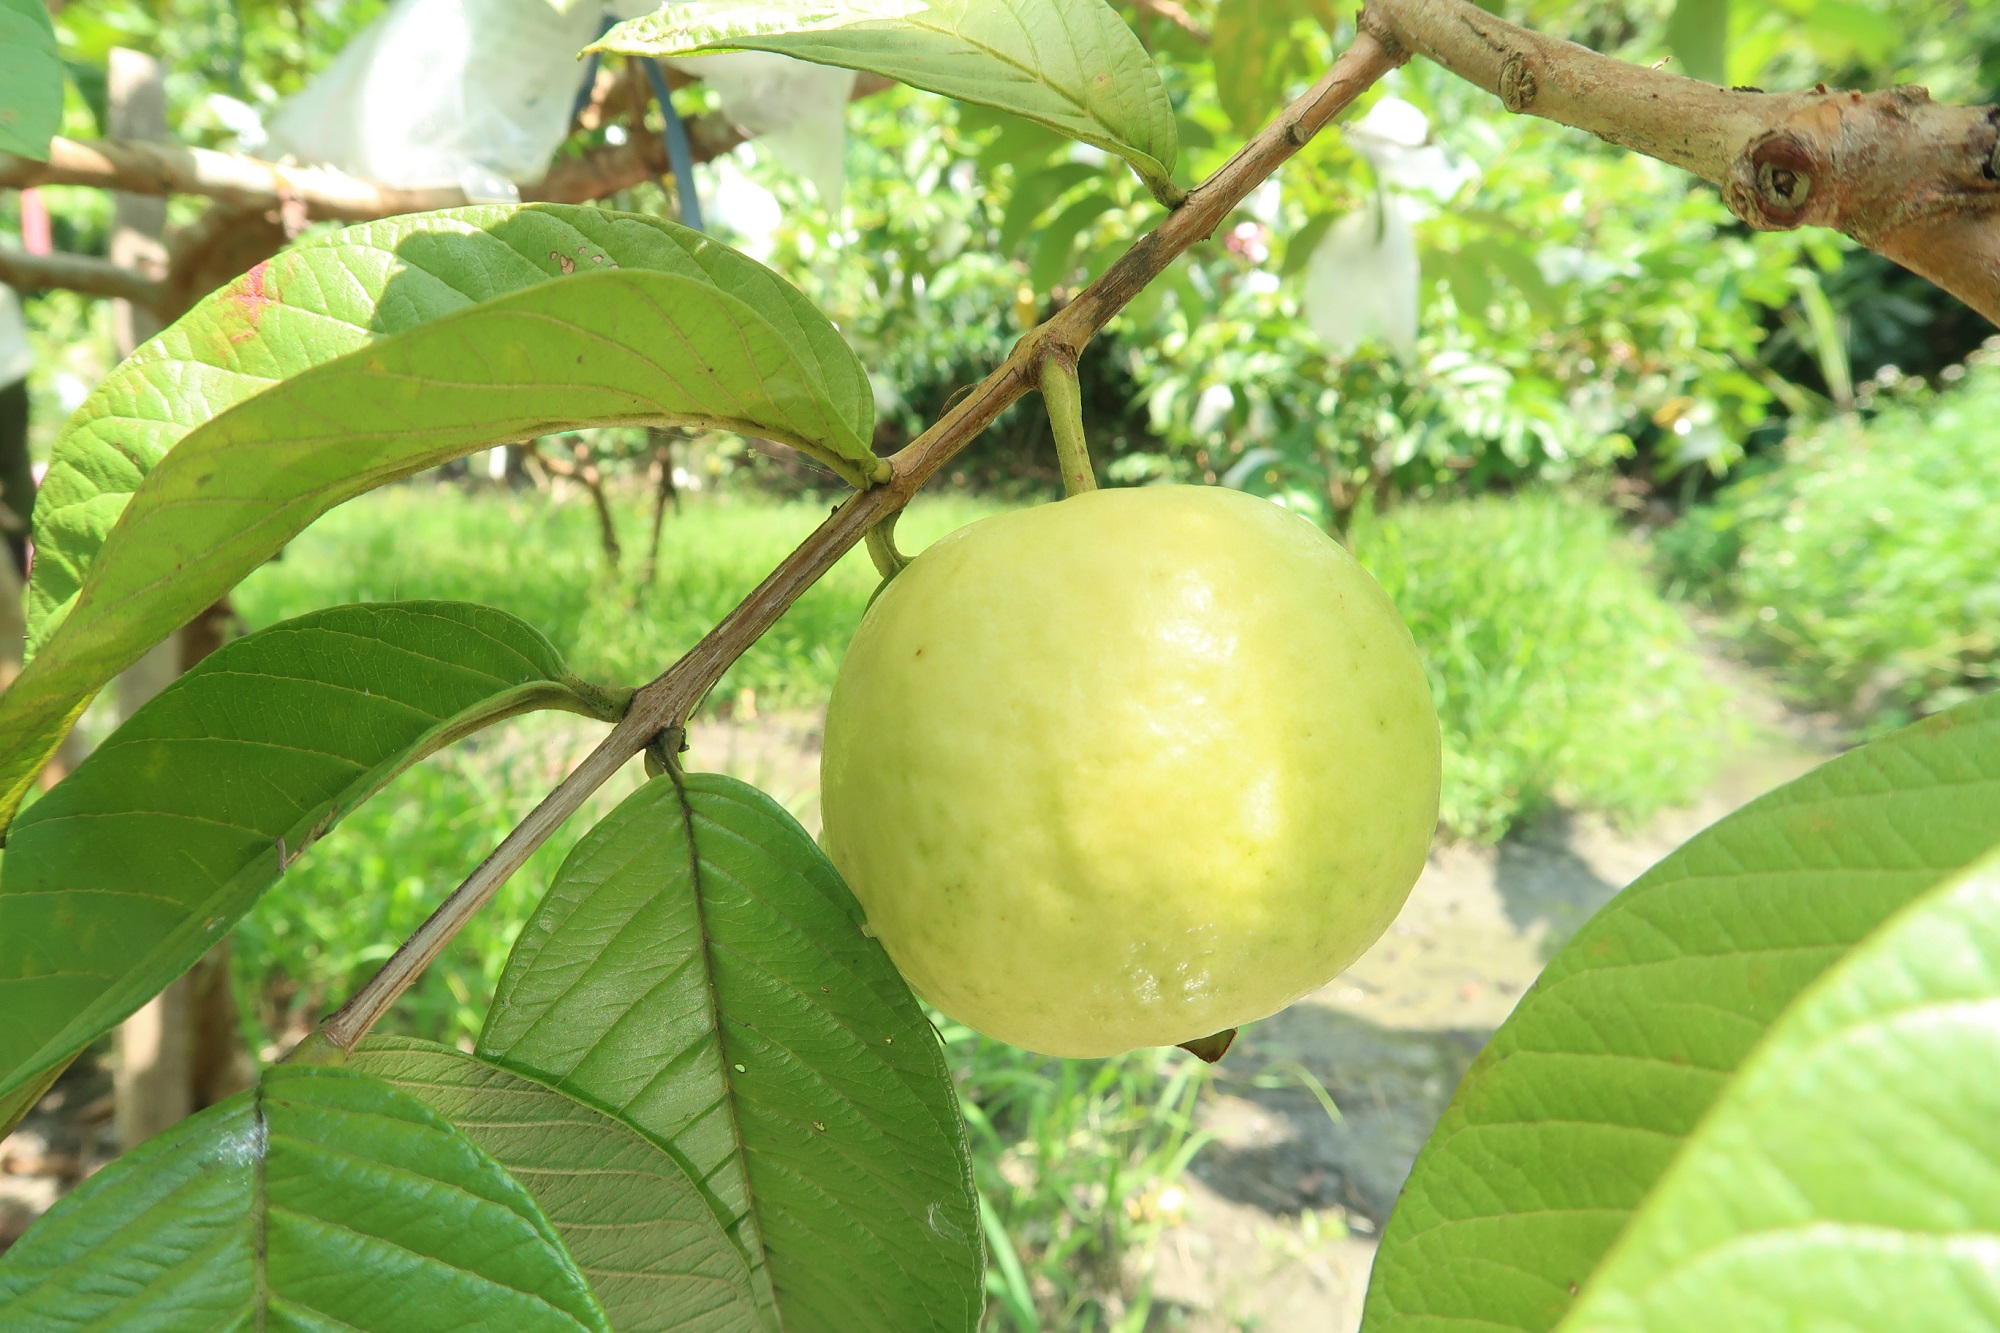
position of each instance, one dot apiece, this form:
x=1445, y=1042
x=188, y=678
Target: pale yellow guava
x=1129, y=769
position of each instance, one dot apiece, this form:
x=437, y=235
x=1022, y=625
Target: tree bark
x=1914, y=180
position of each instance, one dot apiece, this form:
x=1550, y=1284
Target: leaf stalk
x=1063, y=397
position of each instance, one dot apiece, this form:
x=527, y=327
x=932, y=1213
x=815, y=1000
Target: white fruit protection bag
x=478, y=94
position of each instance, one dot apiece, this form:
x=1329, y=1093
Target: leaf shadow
x=1278, y=1150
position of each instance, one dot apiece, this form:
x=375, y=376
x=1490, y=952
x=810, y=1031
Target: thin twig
x=323, y=192
x=78, y=273
x=671, y=699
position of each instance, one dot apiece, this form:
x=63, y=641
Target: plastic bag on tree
x=1362, y=280
x=796, y=109
x=436, y=93
x=17, y=357
x=478, y=94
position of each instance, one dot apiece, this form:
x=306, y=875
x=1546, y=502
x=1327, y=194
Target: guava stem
x=882, y=550
x=1064, y=398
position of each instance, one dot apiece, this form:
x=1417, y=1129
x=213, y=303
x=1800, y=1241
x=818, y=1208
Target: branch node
x=1517, y=83
x=1384, y=33
x=1771, y=187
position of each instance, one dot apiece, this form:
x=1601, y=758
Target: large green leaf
x=1071, y=65
x=1698, y=33
x=31, y=79
x=321, y=1199
x=1849, y=1178
x=1575, y=1107
x=654, y=1251
x=699, y=970
x=1254, y=58
x=366, y=355
x=119, y=878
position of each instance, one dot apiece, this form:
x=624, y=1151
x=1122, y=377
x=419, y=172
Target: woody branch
x=1914, y=180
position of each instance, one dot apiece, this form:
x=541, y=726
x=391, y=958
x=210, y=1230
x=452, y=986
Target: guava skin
x=1129, y=769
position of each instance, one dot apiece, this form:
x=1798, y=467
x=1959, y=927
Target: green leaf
x=1254, y=58
x=655, y=1253
x=31, y=79
x=1298, y=250
x=1032, y=197
x=699, y=970
x=1511, y=258
x=1470, y=282
x=1575, y=1107
x=1698, y=33
x=1058, y=240
x=16, y=1104
x=116, y=881
x=372, y=353
x=1850, y=1175
x=1071, y=65
x=321, y=1199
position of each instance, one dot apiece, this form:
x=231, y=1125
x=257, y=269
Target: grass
x=542, y=562
x=1863, y=567
x=1560, y=675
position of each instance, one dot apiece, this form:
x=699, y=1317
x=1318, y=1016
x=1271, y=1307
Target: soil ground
x=1280, y=1211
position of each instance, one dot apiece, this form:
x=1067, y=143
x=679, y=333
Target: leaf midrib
x=704, y=941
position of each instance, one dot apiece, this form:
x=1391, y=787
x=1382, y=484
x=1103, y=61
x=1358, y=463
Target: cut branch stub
x=1912, y=179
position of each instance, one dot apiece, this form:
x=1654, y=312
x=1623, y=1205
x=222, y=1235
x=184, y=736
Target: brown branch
x=663, y=707
x=248, y=182
x=1912, y=179
x=79, y=273
x=161, y=168
x=324, y=193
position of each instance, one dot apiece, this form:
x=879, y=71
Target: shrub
x=1865, y=565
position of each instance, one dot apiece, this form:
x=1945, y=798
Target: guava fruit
x=1129, y=769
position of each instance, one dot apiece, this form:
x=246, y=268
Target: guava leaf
x=1698, y=33
x=699, y=970
x=1568, y=1117
x=1849, y=1176
x=1072, y=65
x=31, y=79
x=1034, y=193
x=371, y=353
x=1253, y=57
x=636, y=1226
x=1057, y=245
x=320, y=1199
x=118, y=879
